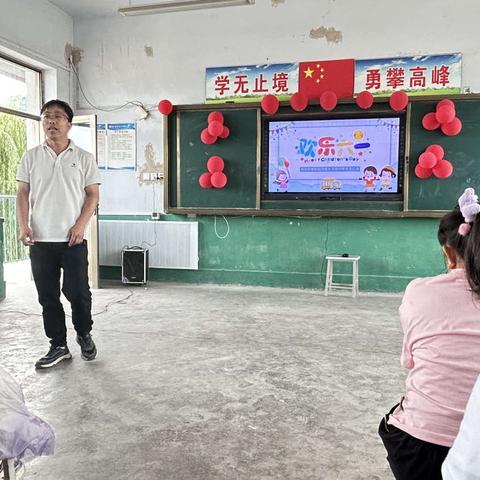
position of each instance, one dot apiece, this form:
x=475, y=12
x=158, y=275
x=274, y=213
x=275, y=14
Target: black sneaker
x=54, y=356
x=87, y=346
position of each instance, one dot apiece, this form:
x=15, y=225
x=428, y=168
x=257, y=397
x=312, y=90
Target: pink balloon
x=215, y=117
x=215, y=128
x=453, y=128
x=204, y=180
x=429, y=121
x=437, y=150
x=206, y=138
x=445, y=101
x=364, y=99
x=398, y=101
x=427, y=160
x=422, y=173
x=215, y=164
x=219, y=179
x=443, y=169
x=328, y=100
x=299, y=101
x=445, y=114
x=225, y=132
x=165, y=107
x=270, y=104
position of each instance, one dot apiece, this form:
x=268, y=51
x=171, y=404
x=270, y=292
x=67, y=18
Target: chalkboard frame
x=171, y=142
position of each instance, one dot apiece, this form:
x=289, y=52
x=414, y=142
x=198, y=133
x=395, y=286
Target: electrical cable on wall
x=215, y=226
x=136, y=103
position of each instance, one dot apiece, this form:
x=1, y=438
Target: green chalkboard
x=462, y=150
x=188, y=160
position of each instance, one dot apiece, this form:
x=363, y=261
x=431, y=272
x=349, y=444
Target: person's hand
x=75, y=235
x=26, y=236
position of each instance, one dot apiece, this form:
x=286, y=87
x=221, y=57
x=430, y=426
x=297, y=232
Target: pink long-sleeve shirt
x=441, y=347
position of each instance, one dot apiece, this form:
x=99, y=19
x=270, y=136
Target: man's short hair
x=59, y=103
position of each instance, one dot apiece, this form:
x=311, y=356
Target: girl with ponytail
x=440, y=317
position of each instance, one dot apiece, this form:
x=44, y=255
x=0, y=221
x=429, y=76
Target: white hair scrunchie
x=469, y=206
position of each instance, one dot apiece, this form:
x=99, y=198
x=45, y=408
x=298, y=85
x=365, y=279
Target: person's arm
x=23, y=193
x=77, y=232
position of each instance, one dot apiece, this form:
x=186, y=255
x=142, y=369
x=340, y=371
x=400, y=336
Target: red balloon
x=270, y=104
x=437, y=150
x=215, y=164
x=219, y=179
x=364, y=99
x=443, y=169
x=445, y=114
x=206, y=138
x=165, y=107
x=215, y=128
x=225, y=132
x=299, y=101
x=205, y=180
x=429, y=121
x=445, y=101
x=328, y=100
x=427, y=160
x=453, y=128
x=215, y=117
x=398, y=101
x=423, y=173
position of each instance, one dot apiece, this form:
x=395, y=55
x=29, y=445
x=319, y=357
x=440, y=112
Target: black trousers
x=47, y=259
x=411, y=458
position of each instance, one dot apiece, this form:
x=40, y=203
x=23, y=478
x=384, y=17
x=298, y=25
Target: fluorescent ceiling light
x=180, y=5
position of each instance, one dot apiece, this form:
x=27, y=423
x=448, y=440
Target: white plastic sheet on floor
x=22, y=435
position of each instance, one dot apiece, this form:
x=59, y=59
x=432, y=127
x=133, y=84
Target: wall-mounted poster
x=420, y=75
x=121, y=149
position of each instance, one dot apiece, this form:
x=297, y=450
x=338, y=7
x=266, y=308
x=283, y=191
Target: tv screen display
x=335, y=158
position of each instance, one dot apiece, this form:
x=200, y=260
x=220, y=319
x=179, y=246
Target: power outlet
x=155, y=216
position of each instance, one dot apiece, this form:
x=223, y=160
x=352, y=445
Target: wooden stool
x=329, y=285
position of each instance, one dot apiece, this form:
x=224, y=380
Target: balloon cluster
x=443, y=117
x=216, y=129
x=431, y=161
x=165, y=107
x=214, y=177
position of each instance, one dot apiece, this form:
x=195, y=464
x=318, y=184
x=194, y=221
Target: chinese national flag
x=314, y=78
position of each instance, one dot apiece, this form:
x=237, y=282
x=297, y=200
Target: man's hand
x=26, y=236
x=76, y=234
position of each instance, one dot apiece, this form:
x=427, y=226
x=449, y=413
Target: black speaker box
x=134, y=265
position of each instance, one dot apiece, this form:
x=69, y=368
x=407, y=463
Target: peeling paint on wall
x=276, y=3
x=148, y=51
x=330, y=34
x=73, y=54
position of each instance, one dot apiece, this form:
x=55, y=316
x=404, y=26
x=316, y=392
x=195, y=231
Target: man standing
x=56, y=197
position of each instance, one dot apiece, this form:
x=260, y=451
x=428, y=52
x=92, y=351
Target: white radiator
x=170, y=244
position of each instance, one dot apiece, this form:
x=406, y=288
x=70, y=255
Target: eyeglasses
x=57, y=117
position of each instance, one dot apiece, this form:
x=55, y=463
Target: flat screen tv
x=342, y=157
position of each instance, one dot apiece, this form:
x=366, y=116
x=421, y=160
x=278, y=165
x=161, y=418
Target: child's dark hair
x=370, y=168
x=59, y=103
x=467, y=247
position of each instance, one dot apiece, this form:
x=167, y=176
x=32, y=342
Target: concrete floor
x=213, y=382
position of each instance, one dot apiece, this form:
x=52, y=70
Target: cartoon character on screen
x=282, y=175
x=386, y=176
x=369, y=177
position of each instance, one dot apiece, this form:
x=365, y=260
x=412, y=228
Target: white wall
x=116, y=67
x=36, y=32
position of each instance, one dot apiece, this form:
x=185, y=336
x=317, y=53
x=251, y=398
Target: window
x=20, y=103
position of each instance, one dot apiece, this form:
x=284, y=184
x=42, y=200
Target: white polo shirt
x=57, y=188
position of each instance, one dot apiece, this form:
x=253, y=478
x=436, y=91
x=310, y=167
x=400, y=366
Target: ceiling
x=96, y=8
x=92, y=8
